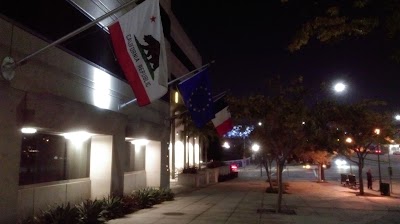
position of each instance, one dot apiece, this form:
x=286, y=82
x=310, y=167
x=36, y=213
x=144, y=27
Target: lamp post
x=256, y=148
x=377, y=132
x=379, y=167
x=349, y=140
x=390, y=173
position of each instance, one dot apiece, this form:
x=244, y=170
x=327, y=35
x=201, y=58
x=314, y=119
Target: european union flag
x=196, y=94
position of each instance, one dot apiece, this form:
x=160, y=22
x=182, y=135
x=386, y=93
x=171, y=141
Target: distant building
x=61, y=93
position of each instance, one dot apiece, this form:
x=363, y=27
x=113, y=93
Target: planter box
x=191, y=179
x=203, y=177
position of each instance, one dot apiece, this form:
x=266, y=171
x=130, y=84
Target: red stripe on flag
x=224, y=127
x=127, y=65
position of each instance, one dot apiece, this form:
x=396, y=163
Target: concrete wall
x=58, y=92
x=36, y=197
x=134, y=180
x=55, y=93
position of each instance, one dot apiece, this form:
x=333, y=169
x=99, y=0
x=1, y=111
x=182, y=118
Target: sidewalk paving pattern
x=244, y=200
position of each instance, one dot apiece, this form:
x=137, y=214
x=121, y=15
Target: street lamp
x=349, y=140
x=339, y=87
x=255, y=149
x=226, y=145
x=377, y=132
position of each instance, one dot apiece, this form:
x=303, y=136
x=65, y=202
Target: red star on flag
x=153, y=19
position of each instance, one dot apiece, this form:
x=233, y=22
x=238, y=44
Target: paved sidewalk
x=243, y=200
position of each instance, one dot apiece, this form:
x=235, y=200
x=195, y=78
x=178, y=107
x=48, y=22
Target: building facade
x=85, y=146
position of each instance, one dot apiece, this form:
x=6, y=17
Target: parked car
x=377, y=151
x=234, y=169
x=396, y=153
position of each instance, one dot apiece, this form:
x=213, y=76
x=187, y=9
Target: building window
x=48, y=157
x=136, y=158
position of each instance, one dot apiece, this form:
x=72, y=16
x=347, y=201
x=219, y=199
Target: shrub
x=143, y=198
x=114, y=207
x=61, y=214
x=155, y=195
x=167, y=194
x=129, y=204
x=99, y=211
x=91, y=212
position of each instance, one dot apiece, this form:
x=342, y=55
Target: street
x=297, y=172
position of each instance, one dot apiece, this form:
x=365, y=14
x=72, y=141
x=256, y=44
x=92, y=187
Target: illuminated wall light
x=226, y=145
x=140, y=142
x=176, y=97
x=28, y=130
x=78, y=136
x=101, y=93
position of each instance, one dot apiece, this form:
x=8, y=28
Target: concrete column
x=100, y=166
x=153, y=164
x=10, y=152
x=119, y=153
x=165, y=173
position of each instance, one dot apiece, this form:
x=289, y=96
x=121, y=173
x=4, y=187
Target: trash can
x=385, y=189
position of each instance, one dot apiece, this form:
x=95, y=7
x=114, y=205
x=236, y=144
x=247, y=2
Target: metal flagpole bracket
x=8, y=68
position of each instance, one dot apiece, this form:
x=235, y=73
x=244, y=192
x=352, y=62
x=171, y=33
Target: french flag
x=222, y=121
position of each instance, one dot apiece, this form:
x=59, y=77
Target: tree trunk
x=322, y=173
x=319, y=172
x=268, y=171
x=280, y=186
x=360, y=176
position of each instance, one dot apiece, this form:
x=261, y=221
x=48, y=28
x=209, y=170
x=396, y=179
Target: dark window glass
x=47, y=157
x=135, y=161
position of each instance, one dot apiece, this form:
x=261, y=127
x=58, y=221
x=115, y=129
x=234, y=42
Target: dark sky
x=248, y=41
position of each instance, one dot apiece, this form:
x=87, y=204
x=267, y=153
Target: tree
x=321, y=136
x=319, y=156
x=282, y=114
x=243, y=109
x=329, y=21
x=363, y=127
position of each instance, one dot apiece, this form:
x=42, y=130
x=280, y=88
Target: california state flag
x=138, y=42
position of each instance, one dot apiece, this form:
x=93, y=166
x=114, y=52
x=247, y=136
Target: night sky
x=248, y=41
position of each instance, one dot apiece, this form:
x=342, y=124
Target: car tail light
x=234, y=167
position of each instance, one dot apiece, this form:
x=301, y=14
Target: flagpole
x=169, y=83
x=190, y=73
x=73, y=33
x=218, y=96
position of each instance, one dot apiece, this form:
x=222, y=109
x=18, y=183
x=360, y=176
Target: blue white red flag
x=222, y=121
